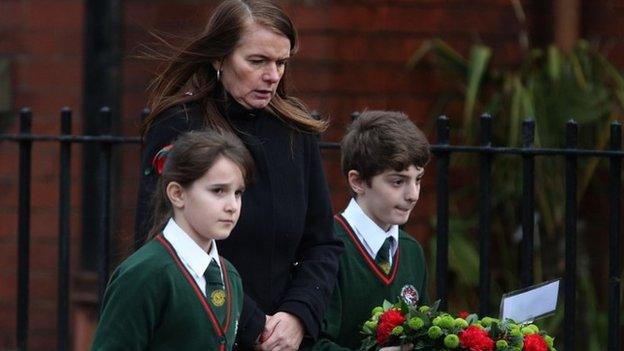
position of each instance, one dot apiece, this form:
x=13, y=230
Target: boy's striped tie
x=383, y=255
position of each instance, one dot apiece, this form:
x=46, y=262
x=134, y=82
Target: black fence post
x=64, y=225
x=615, y=225
x=443, y=213
x=23, y=228
x=528, y=204
x=102, y=44
x=103, y=189
x=485, y=204
x=569, y=319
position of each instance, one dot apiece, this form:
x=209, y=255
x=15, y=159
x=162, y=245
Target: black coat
x=283, y=245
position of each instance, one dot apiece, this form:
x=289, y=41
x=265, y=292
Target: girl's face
x=253, y=70
x=209, y=208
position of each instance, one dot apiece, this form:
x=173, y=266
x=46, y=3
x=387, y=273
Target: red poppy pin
x=158, y=162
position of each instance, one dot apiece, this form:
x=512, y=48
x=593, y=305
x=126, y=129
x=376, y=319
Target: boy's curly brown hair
x=380, y=140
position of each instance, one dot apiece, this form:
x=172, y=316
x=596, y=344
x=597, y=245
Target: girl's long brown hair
x=189, y=68
x=191, y=156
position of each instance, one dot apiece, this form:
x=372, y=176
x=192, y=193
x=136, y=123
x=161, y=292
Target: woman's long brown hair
x=189, y=68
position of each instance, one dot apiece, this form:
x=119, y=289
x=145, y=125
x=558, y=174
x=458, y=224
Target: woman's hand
x=282, y=331
x=264, y=333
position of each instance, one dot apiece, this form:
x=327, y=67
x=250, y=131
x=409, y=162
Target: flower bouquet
x=426, y=328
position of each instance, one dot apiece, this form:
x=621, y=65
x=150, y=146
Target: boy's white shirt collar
x=367, y=231
x=194, y=257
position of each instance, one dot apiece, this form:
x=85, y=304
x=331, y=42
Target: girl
x=176, y=292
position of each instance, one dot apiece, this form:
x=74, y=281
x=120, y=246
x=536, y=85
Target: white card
x=530, y=303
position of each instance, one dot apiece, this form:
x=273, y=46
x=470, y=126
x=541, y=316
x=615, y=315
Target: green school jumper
x=362, y=285
x=153, y=303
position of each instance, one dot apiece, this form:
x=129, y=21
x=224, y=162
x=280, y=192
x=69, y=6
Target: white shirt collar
x=369, y=233
x=193, y=256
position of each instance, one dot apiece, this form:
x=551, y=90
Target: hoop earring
x=218, y=75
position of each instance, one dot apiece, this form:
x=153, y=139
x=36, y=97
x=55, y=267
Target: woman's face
x=253, y=70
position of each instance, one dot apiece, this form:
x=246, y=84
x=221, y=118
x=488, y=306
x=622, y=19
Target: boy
x=383, y=158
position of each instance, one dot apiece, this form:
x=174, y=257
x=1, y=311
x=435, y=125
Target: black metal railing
x=442, y=150
x=25, y=140
x=571, y=153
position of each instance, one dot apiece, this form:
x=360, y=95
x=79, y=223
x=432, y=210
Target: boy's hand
x=283, y=331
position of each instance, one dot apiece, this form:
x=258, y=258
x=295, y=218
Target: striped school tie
x=215, y=291
x=383, y=255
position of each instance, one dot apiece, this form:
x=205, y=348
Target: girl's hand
x=283, y=331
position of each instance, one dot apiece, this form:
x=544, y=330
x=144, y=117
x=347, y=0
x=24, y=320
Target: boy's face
x=391, y=196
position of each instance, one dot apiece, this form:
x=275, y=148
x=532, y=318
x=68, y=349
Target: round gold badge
x=217, y=297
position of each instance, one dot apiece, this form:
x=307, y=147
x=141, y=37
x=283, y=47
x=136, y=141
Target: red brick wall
x=43, y=40
x=352, y=57
x=602, y=23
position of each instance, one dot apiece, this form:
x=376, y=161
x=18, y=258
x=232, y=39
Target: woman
x=231, y=78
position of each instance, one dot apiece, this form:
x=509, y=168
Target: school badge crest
x=217, y=297
x=410, y=295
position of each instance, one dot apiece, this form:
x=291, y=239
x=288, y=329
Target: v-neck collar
x=371, y=235
x=220, y=329
x=388, y=278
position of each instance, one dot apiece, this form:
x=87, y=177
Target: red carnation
x=535, y=342
x=476, y=339
x=387, y=321
x=463, y=314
